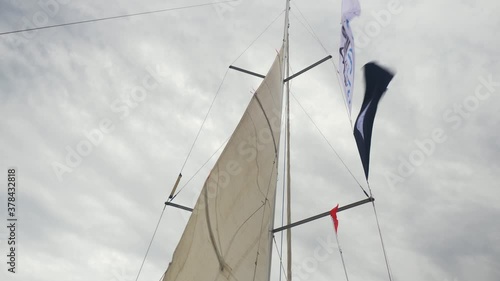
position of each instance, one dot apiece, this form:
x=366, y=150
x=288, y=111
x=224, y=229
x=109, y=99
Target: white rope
x=389, y=272
x=341, y=256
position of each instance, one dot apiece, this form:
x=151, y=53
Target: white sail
x=228, y=234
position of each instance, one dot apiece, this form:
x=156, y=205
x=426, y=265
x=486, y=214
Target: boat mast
x=287, y=139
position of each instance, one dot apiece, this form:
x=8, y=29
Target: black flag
x=376, y=80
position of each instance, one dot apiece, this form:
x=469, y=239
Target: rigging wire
x=204, y=119
x=202, y=166
x=150, y=243
x=257, y=38
x=280, y=254
x=329, y=144
x=337, y=74
x=389, y=271
x=341, y=255
x=114, y=17
x=172, y=195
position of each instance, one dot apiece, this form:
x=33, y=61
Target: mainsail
x=228, y=236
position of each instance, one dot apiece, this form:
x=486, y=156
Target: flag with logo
x=350, y=9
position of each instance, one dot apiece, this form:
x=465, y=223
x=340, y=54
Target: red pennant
x=333, y=213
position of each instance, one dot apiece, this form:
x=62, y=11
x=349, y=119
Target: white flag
x=350, y=9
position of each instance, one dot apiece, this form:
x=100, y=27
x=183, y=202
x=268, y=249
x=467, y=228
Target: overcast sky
x=130, y=95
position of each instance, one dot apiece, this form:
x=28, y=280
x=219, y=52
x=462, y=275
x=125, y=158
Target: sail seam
x=216, y=212
x=256, y=159
x=239, y=228
x=268, y=123
x=210, y=231
x=262, y=221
